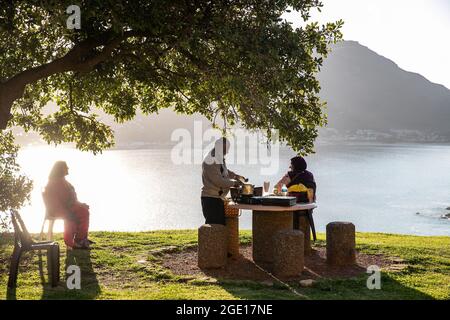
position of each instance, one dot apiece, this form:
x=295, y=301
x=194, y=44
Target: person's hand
x=237, y=183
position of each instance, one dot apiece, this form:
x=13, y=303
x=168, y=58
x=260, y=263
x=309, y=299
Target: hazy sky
x=415, y=34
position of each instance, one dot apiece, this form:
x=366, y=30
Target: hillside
x=368, y=96
x=367, y=91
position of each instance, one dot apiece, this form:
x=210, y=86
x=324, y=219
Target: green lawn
x=114, y=269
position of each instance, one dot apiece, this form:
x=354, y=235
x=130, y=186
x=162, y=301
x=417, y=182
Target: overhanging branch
x=79, y=58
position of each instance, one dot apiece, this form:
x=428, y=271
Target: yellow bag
x=298, y=188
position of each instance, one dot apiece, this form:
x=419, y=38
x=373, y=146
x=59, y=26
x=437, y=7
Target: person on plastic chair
x=298, y=180
x=301, y=184
x=63, y=202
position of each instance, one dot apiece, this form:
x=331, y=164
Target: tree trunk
x=8, y=94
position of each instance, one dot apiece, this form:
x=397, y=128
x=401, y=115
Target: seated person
x=298, y=178
x=61, y=202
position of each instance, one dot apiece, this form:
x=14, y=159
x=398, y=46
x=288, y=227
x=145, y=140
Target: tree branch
x=77, y=59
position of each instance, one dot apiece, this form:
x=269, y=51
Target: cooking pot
x=235, y=193
x=247, y=189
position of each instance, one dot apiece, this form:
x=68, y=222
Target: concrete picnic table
x=267, y=221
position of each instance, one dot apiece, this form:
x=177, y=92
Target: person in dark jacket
x=298, y=175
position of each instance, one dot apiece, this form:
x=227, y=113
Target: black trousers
x=213, y=210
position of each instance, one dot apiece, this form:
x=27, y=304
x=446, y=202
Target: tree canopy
x=237, y=58
x=148, y=55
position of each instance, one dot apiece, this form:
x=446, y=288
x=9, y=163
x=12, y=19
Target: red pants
x=76, y=229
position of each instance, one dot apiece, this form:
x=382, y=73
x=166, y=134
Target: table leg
x=265, y=226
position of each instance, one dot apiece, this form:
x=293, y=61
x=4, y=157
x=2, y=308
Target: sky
x=415, y=34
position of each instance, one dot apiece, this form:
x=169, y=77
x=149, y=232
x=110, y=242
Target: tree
x=238, y=58
x=15, y=188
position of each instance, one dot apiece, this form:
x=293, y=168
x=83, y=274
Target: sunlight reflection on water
x=378, y=187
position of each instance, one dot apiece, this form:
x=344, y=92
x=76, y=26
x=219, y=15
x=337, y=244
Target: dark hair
x=298, y=164
x=58, y=171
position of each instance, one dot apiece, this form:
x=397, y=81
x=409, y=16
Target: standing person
x=62, y=202
x=217, y=181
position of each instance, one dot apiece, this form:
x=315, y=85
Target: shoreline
x=323, y=142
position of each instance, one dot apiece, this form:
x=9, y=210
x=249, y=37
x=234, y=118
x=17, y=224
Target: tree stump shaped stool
x=288, y=253
x=212, y=246
x=341, y=243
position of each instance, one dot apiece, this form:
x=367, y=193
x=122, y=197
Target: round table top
x=259, y=207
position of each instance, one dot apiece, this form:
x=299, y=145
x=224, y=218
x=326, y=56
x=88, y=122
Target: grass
x=127, y=266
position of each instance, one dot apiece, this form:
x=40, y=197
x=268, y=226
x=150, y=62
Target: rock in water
x=448, y=208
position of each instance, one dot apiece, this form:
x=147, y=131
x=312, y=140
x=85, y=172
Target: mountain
x=370, y=93
x=368, y=96
x=156, y=129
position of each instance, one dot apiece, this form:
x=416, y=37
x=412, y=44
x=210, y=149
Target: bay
x=393, y=188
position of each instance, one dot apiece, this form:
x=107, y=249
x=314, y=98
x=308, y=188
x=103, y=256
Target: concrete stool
x=341, y=243
x=232, y=224
x=288, y=253
x=266, y=225
x=212, y=246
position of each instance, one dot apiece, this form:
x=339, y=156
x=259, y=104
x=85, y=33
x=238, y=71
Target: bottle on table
x=284, y=190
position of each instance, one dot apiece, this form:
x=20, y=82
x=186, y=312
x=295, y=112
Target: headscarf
x=298, y=164
x=299, y=174
x=217, y=153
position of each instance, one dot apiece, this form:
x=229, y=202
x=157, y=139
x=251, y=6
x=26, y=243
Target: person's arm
x=56, y=200
x=71, y=195
x=285, y=180
x=73, y=198
x=233, y=175
x=214, y=174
